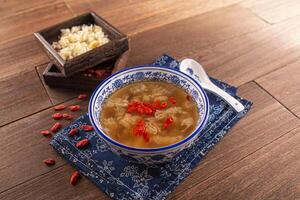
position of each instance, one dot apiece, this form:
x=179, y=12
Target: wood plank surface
x=270, y=173
x=251, y=44
x=10, y=7
x=273, y=11
x=266, y=121
x=55, y=186
x=193, y=34
x=242, y=59
x=24, y=148
x=29, y=21
x=284, y=85
x=21, y=95
x=20, y=55
x=139, y=16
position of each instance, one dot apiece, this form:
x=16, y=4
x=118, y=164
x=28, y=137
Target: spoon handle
x=224, y=95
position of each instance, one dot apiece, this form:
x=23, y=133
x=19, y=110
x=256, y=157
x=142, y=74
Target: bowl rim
x=157, y=149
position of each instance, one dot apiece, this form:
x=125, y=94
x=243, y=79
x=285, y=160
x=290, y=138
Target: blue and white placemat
x=124, y=180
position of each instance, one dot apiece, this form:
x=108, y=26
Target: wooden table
x=254, y=45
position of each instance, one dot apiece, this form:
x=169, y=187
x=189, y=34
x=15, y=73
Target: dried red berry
x=87, y=127
x=57, y=116
x=49, y=161
x=101, y=73
x=56, y=127
x=82, y=143
x=82, y=96
x=74, y=178
x=172, y=100
x=90, y=71
x=67, y=116
x=59, y=107
x=73, y=132
x=163, y=105
x=74, y=107
x=46, y=133
x=168, y=122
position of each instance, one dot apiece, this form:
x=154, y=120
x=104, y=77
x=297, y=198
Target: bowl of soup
x=149, y=114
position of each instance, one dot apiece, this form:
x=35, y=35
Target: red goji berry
x=46, y=133
x=172, y=100
x=139, y=128
x=59, y=107
x=74, y=178
x=49, y=162
x=82, y=143
x=56, y=127
x=82, y=96
x=87, y=128
x=67, y=116
x=57, y=116
x=90, y=71
x=73, y=132
x=163, y=105
x=146, y=136
x=168, y=122
x=101, y=73
x=74, y=107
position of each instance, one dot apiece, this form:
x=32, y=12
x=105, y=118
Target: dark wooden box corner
x=55, y=78
x=116, y=46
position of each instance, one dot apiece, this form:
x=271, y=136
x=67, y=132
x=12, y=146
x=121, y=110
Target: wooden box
x=82, y=81
x=116, y=46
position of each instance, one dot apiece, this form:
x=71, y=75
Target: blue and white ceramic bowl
x=148, y=73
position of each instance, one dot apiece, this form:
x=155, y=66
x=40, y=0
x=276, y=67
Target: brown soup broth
x=149, y=114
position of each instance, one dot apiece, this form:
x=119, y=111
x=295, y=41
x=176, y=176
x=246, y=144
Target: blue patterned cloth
x=124, y=180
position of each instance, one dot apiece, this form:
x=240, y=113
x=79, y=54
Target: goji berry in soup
x=149, y=114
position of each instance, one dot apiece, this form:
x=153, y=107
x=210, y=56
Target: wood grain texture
x=139, y=16
x=11, y=7
x=20, y=55
x=270, y=173
x=273, y=11
x=24, y=148
x=55, y=186
x=194, y=34
x=242, y=59
x=21, y=95
x=33, y=20
x=266, y=121
x=284, y=85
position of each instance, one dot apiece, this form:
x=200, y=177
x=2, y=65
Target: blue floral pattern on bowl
x=148, y=73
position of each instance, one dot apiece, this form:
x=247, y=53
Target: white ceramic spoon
x=194, y=69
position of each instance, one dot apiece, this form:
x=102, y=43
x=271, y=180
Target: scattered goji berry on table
x=67, y=116
x=87, y=128
x=74, y=178
x=73, y=132
x=59, y=107
x=74, y=107
x=82, y=143
x=57, y=116
x=56, y=127
x=46, y=133
x=82, y=96
x=49, y=161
